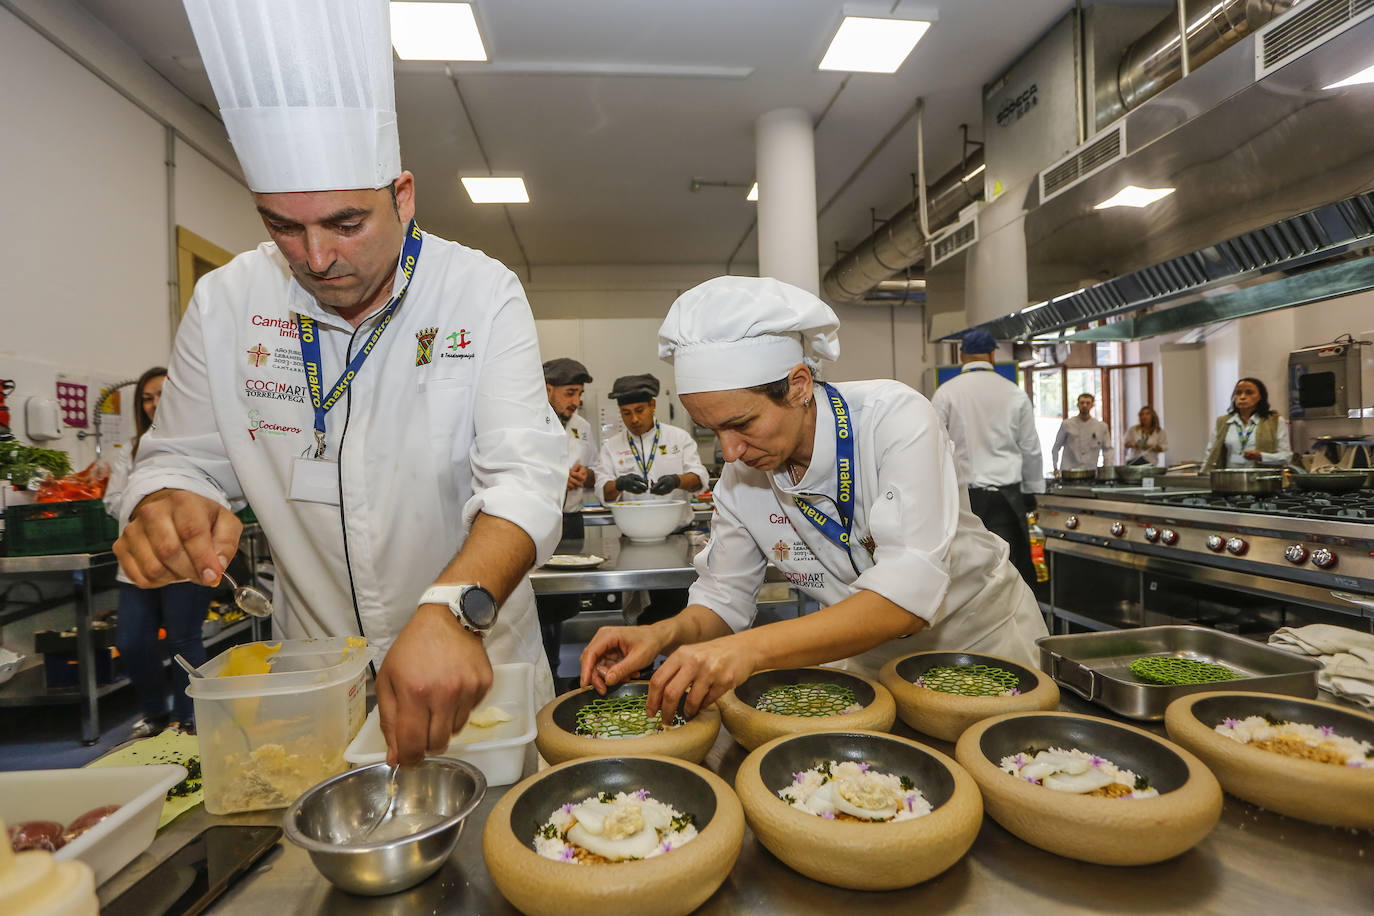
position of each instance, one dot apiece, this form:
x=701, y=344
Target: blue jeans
x=180, y=609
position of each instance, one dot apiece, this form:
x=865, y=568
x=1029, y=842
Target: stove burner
x=1358, y=505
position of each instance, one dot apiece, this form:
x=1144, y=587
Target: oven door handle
x=1078, y=678
x=1359, y=600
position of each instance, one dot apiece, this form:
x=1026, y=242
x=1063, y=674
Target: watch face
x=479, y=607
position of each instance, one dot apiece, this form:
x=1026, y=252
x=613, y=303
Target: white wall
x=88, y=264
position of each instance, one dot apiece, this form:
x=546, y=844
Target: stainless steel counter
x=1253, y=862
x=628, y=566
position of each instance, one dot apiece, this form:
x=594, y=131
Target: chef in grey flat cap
x=564, y=379
x=652, y=460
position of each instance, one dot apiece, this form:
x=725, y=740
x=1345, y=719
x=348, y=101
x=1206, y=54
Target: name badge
x=315, y=480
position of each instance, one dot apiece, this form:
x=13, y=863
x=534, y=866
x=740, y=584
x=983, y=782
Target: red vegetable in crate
x=88, y=483
x=87, y=821
x=37, y=835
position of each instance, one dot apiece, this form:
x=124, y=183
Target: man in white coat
x=996, y=448
x=564, y=382
x=1083, y=440
x=406, y=500
x=652, y=460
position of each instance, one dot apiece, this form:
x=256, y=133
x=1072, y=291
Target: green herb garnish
x=907, y=784
x=971, y=680
x=806, y=700
x=549, y=832
x=1172, y=670
x=1142, y=783
x=682, y=822
x=617, y=717
x=606, y=798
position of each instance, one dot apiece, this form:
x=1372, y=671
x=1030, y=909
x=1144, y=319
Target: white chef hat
x=737, y=332
x=305, y=89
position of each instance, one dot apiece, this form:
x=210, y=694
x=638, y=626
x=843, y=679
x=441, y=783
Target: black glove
x=1029, y=500
x=666, y=484
x=631, y=483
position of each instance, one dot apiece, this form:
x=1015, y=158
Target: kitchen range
x=1242, y=562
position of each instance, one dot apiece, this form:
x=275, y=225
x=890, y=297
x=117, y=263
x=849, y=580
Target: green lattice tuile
x=617, y=717
x=971, y=681
x=1173, y=671
x=806, y=700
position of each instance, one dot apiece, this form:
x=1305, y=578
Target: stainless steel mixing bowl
x=432, y=801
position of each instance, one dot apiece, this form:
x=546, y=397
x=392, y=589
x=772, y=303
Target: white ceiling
x=608, y=159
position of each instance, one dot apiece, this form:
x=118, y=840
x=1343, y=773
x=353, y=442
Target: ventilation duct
x=899, y=243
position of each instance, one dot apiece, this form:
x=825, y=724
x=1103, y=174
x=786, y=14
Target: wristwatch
x=472, y=604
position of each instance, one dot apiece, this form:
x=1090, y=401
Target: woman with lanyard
x=849, y=489
x=1250, y=433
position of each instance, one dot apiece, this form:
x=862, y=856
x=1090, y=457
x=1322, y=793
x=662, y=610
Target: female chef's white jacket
x=448, y=416
x=931, y=555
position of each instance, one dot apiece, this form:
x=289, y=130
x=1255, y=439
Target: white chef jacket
x=447, y=417
x=676, y=454
x=932, y=556
x=114, y=490
x=992, y=424
x=581, y=450
x=1079, y=443
x=1150, y=446
x=1240, y=437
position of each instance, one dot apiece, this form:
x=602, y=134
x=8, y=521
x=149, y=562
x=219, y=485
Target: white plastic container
x=498, y=751
x=266, y=738
x=65, y=795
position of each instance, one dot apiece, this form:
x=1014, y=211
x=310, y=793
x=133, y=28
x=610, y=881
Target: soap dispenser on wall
x=41, y=419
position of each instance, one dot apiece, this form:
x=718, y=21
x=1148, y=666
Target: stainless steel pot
x=1246, y=480
x=1107, y=472
x=1080, y=474
x=1330, y=481
x=1135, y=473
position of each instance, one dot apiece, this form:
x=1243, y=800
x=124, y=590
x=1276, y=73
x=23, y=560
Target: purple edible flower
x=641, y=794
x=1019, y=760
x=864, y=767
x=1355, y=763
x=1229, y=722
x=1015, y=692
x=567, y=809
x=910, y=801
x=1034, y=782
x=798, y=776
x=827, y=815
x=1096, y=761
x=567, y=855
x=665, y=846
x=1327, y=730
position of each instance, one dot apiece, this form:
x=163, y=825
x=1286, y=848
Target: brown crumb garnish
x=842, y=816
x=1296, y=747
x=1115, y=790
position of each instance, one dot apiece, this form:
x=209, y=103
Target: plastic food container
x=266, y=738
x=498, y=751
x=65, y=795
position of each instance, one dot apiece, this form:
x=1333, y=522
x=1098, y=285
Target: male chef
x=564, y=380
x=996, y=448
x=650, y=460
x=1082, y=439
x=371, y=389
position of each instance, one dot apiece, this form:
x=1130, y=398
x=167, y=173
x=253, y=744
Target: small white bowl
x=646, y=522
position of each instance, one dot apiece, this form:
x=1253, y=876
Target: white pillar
x=785, y=164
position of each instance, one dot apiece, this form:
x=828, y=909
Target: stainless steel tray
x=1097, y=666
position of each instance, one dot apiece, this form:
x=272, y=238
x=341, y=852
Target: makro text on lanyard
x=310, y=342
x=837, y=531
x=653, y=450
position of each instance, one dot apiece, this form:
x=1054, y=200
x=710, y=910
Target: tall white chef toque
x=738, y=332
x=305, y=88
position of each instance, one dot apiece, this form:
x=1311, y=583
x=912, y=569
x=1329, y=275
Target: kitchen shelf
x=28, y=687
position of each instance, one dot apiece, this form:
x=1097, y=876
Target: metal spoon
x=192, y=672
x=249, y=599
x=390, y=806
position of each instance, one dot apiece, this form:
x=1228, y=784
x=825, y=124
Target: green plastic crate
x=80, y=526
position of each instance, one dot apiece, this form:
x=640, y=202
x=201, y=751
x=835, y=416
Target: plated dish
x=574, y=561
x=1303, y=758
x=787, y=701
x=582, y=723
x=942, y=693
x=598, y=836
x=859, y=809
x=1089, y=789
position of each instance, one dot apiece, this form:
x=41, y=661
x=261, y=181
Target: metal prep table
x=28, y=688
x=628, y=566
x=1253, y=862
x=596, y=516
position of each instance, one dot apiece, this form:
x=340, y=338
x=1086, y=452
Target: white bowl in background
x=648, y=521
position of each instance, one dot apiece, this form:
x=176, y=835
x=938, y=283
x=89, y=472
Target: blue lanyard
x=837, y=531
x=310, y=342
x=653, y=449
x=1244, y=434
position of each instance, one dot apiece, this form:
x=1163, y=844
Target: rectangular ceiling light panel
x=486, y=190
x=870, y=45
x=436, y=31
x=753, y=192
x=1133, y=196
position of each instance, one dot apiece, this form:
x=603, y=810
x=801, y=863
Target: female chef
x=848, y=489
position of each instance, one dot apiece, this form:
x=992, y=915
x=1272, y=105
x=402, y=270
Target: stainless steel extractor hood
x=1273, y=178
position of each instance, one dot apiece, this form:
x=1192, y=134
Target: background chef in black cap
x=650, y=460
x=564, y=379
